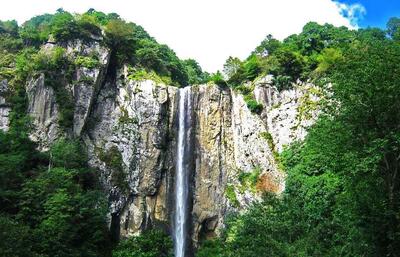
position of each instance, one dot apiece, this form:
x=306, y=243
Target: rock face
x=214, y=158
x=130, y=130
x=5, y=108
x=289, y=113
x=43, y=106
x=134, y=120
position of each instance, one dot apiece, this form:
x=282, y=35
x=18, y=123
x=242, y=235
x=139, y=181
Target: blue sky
x=377, y=12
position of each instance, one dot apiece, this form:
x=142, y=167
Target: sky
x=210, y=31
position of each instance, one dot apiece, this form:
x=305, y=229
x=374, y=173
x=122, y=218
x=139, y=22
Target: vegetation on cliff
x=342, y=195
x=129, y=43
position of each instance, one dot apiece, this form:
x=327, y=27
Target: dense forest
x=342, y=195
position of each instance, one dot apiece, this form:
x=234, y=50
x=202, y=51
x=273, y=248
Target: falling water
x=181, y=183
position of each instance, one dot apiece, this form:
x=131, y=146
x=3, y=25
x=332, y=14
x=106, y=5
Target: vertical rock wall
x=129, y=128
x=214, y=157
x=5, y=107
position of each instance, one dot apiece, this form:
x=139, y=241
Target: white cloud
x=353, y=12
x=206, y=30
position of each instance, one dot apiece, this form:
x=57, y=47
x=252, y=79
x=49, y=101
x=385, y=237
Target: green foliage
x=248, y=96
x=113, y=159
x=15, y=239
x=328, y=57
x=268, y=46
x=50, y=60
x=119, y=37
x=9, y=27
x=36, y=30
x=162, y=60
x=277, y=158
x=218, y=79
x=248, y=180
x=18, y=155
x=297, y=57
x=152, y=243
x=142, y=74
x=252, y=67
x=69, y=216
x=254, y=106
x=267, y=136
x=195, y=74
x=258, y=232
x=393, y=28
x=129, y=43
x=231, y=195
x=232, y=66
x=89, y=62
x=68, y=154
x=212, y=248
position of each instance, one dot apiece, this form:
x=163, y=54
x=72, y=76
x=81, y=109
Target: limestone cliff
x=130, y=129
x=5, y=108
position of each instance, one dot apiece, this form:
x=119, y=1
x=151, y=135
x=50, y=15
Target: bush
x=142, y=74
x=68, y=154
x=152, y=243
x=119, y=37
x=50, y=60
x=212, y=248
x=252, y=67
x=231, y=195
x=113, y=159
x=282, y=82
x=15, y=239
x=248, y=180
x=89, y=62
x=218, y=79
x=254, y=106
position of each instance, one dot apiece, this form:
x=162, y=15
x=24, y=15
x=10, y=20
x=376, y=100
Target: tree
x=16, y=240
x=252, y=67
x=194, y=71
x=119, y=37
x=393, y=28
x=152, y=243
x=232, y=66
x=268, y=46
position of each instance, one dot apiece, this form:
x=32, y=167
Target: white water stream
x=181, y=177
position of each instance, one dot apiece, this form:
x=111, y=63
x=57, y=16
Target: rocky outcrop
x=88, y=81
x=289, y=113
x=43, y=106
x=214, y=157
x=130, y=129
x=237, y=151
x=135, y=121
x=5, y=107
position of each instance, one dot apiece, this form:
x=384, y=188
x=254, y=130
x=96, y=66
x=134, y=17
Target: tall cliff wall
x=130, y=130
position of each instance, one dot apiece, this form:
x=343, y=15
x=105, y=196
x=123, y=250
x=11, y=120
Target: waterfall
x=181, y=177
